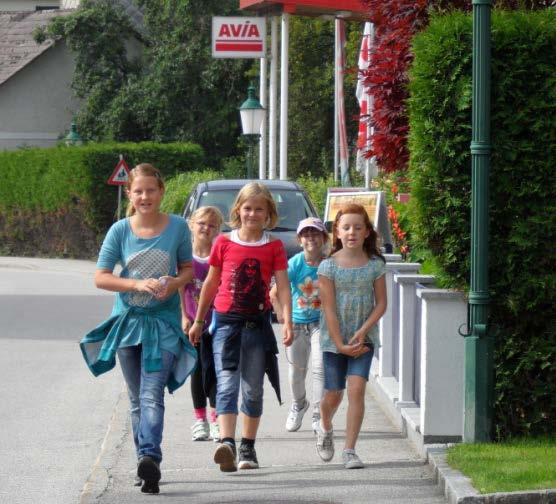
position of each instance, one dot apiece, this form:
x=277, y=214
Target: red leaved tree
x=396, y=21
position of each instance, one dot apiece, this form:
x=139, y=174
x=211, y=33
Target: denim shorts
x=338, y=366
x=249, y=376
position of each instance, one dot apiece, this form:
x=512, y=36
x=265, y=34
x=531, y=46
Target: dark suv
x=292, y=204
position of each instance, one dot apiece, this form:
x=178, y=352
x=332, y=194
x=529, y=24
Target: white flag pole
x=262, y=140
x=273, y=98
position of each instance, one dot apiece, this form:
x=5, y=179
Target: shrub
x=317, y=189
x=522, y=188
x=179, y=187
x=41, y=185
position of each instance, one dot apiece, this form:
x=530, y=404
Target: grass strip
x=510, y=466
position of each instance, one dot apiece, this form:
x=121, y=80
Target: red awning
x=346, y=9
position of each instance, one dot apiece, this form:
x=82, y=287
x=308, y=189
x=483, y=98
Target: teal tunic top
x=355, y=300
x=138, y=318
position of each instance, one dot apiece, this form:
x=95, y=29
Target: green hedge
x=42, y=184
x=179, y=187
x=522, y=193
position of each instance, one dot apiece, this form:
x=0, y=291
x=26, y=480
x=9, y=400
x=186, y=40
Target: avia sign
x=238, y=37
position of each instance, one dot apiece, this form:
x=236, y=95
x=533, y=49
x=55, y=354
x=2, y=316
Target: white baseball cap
x=311, y=222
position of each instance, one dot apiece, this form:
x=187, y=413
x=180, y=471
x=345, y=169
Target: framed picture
x=369, y=200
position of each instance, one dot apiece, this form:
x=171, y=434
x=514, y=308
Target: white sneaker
x=200, y=430
x=315, y=422
x=295, y=416
x=214, y=430
x=351, y=460
x=325, y=444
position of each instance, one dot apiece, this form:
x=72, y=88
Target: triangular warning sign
x=120, y=174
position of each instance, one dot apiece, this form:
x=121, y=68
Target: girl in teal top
x=353, y=298
x=144, y=330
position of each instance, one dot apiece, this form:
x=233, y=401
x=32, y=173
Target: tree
x=311, y=97
x=175, y=91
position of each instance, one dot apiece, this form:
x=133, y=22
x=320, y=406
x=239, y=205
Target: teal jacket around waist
x=148, y=325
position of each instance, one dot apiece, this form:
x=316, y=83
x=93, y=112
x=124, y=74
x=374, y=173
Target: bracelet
x=198, y=321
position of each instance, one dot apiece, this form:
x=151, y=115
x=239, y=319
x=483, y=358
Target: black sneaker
x=225, y=455
x=148, y=470
x=248, y=457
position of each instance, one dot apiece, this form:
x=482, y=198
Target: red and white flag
x=365, y=106
x=340, y=66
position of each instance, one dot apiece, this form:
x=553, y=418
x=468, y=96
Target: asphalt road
x=65, y=435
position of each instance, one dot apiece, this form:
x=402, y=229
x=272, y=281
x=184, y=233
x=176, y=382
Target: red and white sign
x=238, y=37
x=120, y=174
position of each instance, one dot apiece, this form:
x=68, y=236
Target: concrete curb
x=100, y=477
x=458, y=489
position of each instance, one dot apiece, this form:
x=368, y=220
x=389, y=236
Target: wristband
x=199, y=322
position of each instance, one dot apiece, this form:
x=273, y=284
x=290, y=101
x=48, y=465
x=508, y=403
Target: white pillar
x=284, y=72
x=443, y=311
x=262, y=140
x=388, y=323
x=273, y=98
x=407, y=312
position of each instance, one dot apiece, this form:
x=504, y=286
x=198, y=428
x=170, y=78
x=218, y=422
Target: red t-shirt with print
x=246, y=273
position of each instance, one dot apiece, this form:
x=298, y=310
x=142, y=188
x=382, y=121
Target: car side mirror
x=328, y=226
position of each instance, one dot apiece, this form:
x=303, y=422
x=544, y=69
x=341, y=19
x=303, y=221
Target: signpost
x=119, y=177
x=238, y=37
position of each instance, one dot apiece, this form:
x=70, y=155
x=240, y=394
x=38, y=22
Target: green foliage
x=317, y=189
x=179, y=187
x=522, y=187
x=62, y=179
x=173, y=91
x=311, y=94
x=94, y=35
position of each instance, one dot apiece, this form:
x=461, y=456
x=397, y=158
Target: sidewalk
x=291, y=471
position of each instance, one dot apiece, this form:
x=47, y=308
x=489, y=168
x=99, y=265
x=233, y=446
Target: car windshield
x=292, y=206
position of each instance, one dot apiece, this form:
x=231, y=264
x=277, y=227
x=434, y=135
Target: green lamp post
x=252, y=114
x=479, y=343
x=73, y=137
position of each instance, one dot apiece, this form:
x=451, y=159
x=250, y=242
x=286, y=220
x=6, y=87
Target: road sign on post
x=238, y=37
x=120, y=174
x=119, y=177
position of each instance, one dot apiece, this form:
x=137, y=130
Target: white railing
x=418, y=371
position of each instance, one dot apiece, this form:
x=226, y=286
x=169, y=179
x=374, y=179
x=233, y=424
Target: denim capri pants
x=249, y=376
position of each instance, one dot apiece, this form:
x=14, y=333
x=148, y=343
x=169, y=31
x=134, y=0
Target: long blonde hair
x=145, y=170
x=254, y=190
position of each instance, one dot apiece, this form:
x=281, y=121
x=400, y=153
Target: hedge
x=42, y=187
x=522, y=257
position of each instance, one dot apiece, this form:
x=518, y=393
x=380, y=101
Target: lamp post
x=252, y=114
x=73, y=137
x=479, y=343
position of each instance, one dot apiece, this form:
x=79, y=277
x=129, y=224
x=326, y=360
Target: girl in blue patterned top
x=144, y=330
x=353, y=297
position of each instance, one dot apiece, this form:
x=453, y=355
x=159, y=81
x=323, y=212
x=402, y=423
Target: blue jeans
x=146, y=396
x=250, y=373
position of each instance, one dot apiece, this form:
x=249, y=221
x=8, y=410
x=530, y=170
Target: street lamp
x=73, y=137
x=252, y=115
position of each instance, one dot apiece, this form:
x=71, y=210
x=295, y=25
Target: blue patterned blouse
x=354, y=299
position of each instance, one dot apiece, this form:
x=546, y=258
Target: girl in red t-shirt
x=242, y=264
